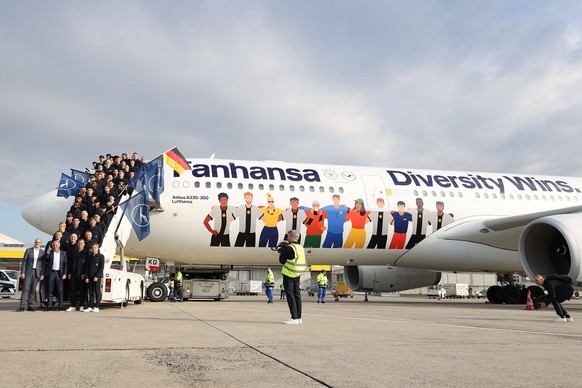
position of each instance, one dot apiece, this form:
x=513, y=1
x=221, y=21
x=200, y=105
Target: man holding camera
x=559, y=289
x=292, y=257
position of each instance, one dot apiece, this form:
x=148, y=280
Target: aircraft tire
x=157, y=292
x=495, y=294
x=511, y=295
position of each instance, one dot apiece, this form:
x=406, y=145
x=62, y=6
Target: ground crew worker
x=322, y=283
x=292, y=257
x=559, y=289
x=178, y=285
x=171, y=287
x=269, y=285
x=282, y=287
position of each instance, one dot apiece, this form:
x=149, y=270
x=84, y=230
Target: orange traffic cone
x=529, y=304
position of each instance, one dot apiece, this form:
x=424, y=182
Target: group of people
x=72, y=259
x=78, y=268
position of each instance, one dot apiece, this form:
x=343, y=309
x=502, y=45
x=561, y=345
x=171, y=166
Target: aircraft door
x=374, y=188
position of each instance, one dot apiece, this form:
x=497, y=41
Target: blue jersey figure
x=336, y=217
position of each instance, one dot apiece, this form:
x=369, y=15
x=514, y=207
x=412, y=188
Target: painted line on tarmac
x=457, y=326
x=254, y=348
x=449, y=325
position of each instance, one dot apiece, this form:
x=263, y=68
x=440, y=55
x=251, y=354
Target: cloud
x=463, y=86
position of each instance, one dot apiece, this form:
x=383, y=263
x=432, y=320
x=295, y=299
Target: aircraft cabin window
x=443, y=194
x=282, y=187
x=197, y=184
x=331, y=190
x=552, y=198
x=424, y=193
x=477, y=195
x=312, y=189
x=518, y=196
x=176, y=184
x=291, y=188
x=261, y=186
x=251, y=186
x=485, y=195
x=527, y=197
x=271, y=187
x=535, y=197
x=229, y=185
x=451, y=194
x=301, y=188
x=460, y=195
x=543, y=197
x=218, y=185
x=415, y=192
x=341, y=190
x=433, y=193
x=240, y=186
x=510, y=196
x=494, y=196
x=208, y=185
x=186, y=184
x=321, y=189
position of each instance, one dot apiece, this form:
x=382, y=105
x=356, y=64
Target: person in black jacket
x=77, y=263
x=93, y=275
x=559, y=289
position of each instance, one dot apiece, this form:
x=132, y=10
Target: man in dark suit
x=31, y=269
x=93, y=275
x=55, y=271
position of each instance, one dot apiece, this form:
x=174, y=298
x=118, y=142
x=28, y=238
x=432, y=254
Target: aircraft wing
x=478, y=243
x=500, y=232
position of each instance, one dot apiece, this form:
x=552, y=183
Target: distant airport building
x=11, y=252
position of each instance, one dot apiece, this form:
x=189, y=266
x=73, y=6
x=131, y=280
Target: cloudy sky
x=460, y=85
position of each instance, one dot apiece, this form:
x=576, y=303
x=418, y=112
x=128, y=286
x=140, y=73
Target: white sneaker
x=88, y=310
x=569, y=319
x=291, y=322
x=81, y=309
x=559, y=319
x=300, y=320
x=70, y=309
x=95, y=309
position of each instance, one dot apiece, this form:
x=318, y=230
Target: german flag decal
x=176, y=160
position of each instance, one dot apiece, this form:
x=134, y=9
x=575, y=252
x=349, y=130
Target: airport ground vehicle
x=342, y=290
x=9, y=276
x=216, y=289
x=7, y=290
x=198, y=282
x=435, y=292
x=456, y=290
x=249, y=287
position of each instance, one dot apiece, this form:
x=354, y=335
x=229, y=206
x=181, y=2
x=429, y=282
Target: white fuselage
x=178, y=231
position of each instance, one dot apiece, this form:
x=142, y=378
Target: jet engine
x=551, y=245
x=381, y=278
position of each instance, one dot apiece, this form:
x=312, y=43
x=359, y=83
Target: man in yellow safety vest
x=292, y=257
x=322, y=283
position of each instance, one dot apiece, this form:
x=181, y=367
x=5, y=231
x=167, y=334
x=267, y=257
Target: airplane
x=391, y=228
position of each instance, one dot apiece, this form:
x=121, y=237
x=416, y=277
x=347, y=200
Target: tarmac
x=407, y=341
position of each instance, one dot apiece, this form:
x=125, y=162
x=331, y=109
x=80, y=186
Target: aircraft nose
x=46, y=211
x=31, y=212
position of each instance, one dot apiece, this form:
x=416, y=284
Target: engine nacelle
x=381, y=278
x=551, y=245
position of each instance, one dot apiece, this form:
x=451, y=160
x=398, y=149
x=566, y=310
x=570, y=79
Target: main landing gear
x=510, y=292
